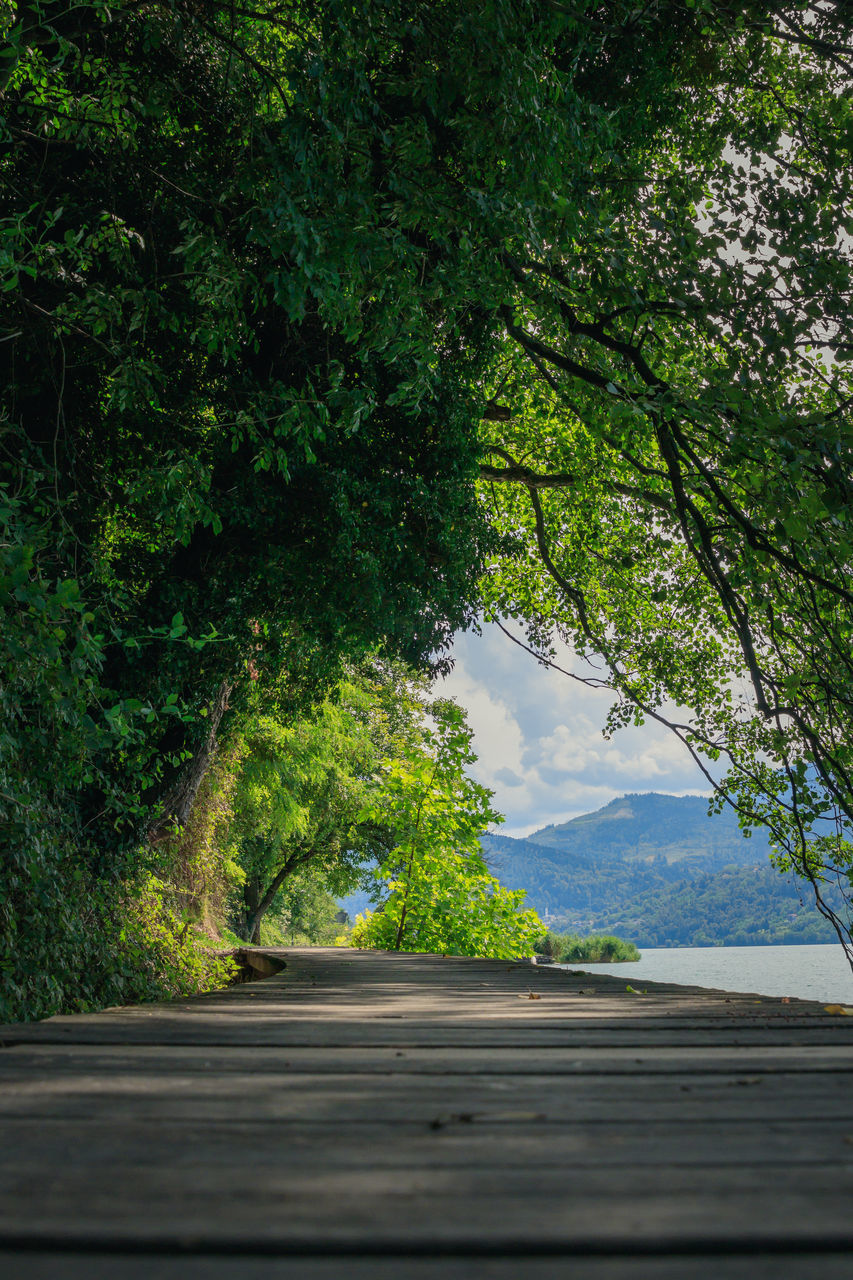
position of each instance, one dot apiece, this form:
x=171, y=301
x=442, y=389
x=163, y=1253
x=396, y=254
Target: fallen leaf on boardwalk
x=458, y=1117
x=843, y=1010
x=486, y=1117
x=531, y=995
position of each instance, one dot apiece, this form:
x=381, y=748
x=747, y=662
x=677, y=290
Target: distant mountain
x=646, y=828
x=659, y=871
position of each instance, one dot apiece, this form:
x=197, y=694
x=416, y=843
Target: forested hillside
x=328, y=328
x=659, y=871
x=738, y=906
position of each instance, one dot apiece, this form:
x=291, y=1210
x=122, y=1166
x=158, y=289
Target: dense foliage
x=300, y=789
x=675, y=437
x=738, y=906
x=217, y=464
x=280, y=282
x=368, y=789
x=436, y=892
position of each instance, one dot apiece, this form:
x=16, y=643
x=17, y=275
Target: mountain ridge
x=640, y=819
x=660, y=870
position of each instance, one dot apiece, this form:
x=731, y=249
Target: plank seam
x=404, y=1249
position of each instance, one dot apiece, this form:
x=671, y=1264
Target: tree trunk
x=251, y=910
x=180, y=799
x=257, y=904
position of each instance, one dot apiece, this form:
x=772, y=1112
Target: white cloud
x=538, y=737
x=569, y=751
x=499, y=740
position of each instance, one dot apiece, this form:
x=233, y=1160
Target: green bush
x=85, y=943
x=569, y=948
x=551, y=945
x=599, y=949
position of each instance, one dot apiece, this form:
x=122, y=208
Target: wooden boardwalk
x=370, y=1115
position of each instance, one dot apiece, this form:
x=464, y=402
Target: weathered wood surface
x=388, y=1116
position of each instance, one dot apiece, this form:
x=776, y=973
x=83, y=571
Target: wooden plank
x=28, y=1147
x=666, y=1211
x=656, y=1058
x=280, y=1097
x=361, y=1106
x=253, y=1027
x=44, y=1265
x=512, y=1191
x=514, y=1006
x=277, y=1032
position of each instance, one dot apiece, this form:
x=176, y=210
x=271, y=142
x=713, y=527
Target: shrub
x=599, y=949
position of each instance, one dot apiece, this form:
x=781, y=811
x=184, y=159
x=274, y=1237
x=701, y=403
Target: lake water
x=809, y=972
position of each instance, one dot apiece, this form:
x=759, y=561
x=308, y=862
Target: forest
x=659, y=871
x=328, y=330
x=738, y=907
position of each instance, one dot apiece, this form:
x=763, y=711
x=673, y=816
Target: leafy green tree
x=297, y=794
x=166, y=387
x=673, y=447
x=278, y=279
x=210, y=470
x=304, y=913
x=300, y=786
x=437, y=892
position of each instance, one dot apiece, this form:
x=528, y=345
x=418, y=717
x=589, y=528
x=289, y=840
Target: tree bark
x=179, y=801
x=258, y=904
x=252, y=913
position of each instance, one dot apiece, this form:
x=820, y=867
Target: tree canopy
x=301, y=787
x=435, y=890
x=674, y=448
x=326, y=326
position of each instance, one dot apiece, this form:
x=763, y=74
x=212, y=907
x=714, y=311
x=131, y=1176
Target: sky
x=538, y=737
